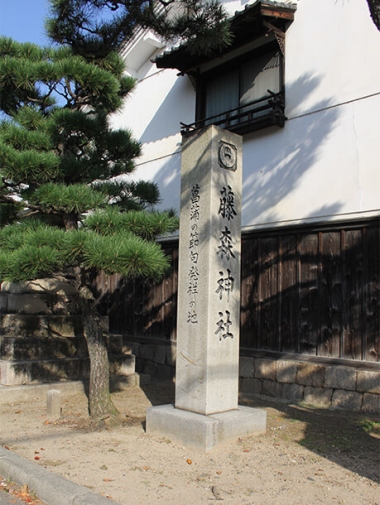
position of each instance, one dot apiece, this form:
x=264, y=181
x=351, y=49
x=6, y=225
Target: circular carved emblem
x=227, y=156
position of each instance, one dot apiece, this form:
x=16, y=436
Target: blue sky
x=23, y=20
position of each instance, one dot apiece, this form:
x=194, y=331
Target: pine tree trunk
x=100, y=403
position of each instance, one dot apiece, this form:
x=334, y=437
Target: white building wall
x=323, y=164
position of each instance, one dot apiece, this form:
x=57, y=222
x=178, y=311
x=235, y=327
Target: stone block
x=310, y=375
x=14, y=374
x=202, y=432
x=23, y=325
x=271, y=388
x=293, y=392
x=246, y=366
x=250, y=385
x=346, y=400
x=135, y=348
x=122, y=364
x=53, y=404
x=371, y=403
x=45, y=347
x=57, y=285
x=286, y=371
x=28, y=304
x=165, y=372
x=127, y=347
x=318, y=396
x=340, y=377
x=3, y=303
x=265, y=368
x=115, y=344
x=368, y=382
x=171, y=355
x=38, y=325
x=41, y=371
x=150, y=368
x=147, y=352
x=160, y=354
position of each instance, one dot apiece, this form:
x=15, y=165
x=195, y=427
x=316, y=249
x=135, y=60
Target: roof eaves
x=281, y=10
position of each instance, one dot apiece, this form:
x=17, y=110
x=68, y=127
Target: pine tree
x=93, y=28
x=62, y=210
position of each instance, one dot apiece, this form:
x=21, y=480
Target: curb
x=49, y=487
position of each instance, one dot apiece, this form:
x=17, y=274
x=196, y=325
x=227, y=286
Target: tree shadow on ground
x=336, y=435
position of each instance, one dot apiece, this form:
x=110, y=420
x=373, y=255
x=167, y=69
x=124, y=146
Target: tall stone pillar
x=206, y=410
x=207, y=363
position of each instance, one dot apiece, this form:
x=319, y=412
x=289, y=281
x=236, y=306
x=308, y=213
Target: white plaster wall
x=323, y=164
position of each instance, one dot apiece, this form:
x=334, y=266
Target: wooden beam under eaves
x=275, y=12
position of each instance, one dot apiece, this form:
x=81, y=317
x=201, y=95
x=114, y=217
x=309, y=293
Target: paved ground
x=308, y=455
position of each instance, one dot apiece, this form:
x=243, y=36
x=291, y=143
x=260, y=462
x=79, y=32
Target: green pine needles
x=59, y=157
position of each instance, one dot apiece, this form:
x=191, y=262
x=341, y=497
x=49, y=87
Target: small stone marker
x=53, y=404
x=206, y=410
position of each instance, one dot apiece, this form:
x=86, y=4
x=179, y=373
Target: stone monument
x=206, y=410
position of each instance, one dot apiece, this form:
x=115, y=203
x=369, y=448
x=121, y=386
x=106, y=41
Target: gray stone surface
x=371, y=403
x=57, y=285
x=171, y=355
x=250, y=385
x=123, y=364
x=346, y=400
x=207, y=365
x=271, y=388
x=310, y=375
x=28, y=304
x=166, y=372
x=293, y=391
x=147, y=352
x=318, y=396
x=368, y=382
x=150, y=368
x=160, y=355
x=204, y=432
x=57, y=325
x=340, y=377
x=246, y=366
x=286, y=371
x=265, y=369
x=53, y=404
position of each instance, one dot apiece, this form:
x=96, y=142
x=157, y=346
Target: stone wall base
x=330, y=386
x=17, y=373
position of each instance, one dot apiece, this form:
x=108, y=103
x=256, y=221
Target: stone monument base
x=202, y=432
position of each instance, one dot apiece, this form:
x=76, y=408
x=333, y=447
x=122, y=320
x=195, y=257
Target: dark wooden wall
x=306, y=290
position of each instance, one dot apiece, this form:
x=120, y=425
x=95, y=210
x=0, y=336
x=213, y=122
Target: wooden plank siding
x=313, y=291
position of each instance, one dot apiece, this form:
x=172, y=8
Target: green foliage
x=31, y=262
x=28, y=166
x=93, y=28
x=75, y=198
x=58, y=154
x=147, y=225
x=126, y=254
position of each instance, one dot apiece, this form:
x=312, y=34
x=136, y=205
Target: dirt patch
x=307, y=456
